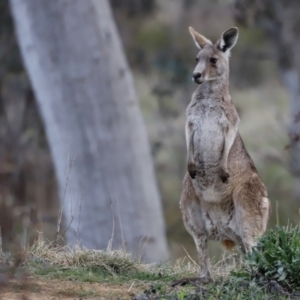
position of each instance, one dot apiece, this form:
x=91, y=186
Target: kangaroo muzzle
x=197, y=77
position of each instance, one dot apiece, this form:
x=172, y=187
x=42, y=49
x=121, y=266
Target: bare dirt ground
x=40, y=289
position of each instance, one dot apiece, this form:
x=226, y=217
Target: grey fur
x=223, y=197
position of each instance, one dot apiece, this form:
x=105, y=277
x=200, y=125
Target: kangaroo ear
x=199, y=40
x=228, y=39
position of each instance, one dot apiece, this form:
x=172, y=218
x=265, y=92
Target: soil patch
x=42, y=288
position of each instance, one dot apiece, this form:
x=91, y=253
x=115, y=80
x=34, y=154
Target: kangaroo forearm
x=229, y=137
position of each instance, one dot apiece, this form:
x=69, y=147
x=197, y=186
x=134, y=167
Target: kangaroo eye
x=213, y=60
x=197, y=59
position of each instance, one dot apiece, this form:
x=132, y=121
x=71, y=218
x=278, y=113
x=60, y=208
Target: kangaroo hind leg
x=191, y=212
x=252, y=210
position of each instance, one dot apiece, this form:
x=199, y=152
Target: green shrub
x=277, y=257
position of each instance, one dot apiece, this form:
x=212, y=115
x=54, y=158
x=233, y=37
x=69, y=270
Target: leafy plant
x=277, y=257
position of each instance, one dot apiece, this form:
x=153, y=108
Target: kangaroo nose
x=196, y=76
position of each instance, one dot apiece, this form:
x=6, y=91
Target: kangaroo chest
x=206, y=122
x=205, y=125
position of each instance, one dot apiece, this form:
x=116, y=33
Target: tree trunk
x=280, y=20
x=96, y=134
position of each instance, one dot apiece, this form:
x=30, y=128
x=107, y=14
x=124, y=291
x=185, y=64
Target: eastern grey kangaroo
x=223, y=197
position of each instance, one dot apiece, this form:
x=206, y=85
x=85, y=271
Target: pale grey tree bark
x=280, y=21
x=85, y=92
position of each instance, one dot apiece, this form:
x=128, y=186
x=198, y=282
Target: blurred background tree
x=161, y=56
x=98, y=141
x=27, y=181
x=280, y=22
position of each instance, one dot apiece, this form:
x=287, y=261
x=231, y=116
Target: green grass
x=277, y=258
x=271, y=271
x=229, y=289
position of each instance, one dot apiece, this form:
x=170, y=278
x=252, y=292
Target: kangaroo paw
x=224, y=175
x=192, y=170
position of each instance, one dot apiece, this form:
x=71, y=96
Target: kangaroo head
x=212, y=59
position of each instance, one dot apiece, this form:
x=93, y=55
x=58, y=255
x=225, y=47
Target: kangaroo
x=223, y=197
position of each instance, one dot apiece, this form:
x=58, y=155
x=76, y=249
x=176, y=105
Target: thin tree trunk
x=97, y=137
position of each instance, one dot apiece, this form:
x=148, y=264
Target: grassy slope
x=271, y=272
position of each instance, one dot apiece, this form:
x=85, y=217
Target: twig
x=72, y=215
x=143, y=246
x=131, y=286
x=60, y=213
x=121, y=226
x=109, y=270
x=79, y=220
x=277, y=214
x=109, y=246
x=78, y=206
x=189, y=256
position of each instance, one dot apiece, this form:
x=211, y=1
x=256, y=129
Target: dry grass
x=114, y=261
x=119, y=262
